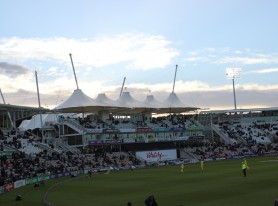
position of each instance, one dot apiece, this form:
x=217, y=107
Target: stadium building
x=130, y=125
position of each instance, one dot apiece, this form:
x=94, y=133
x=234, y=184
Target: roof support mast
x=175, y=79
x=9, y=115
x=122, y=87
x=39, y=101
x=2, y=96
x=73, y=71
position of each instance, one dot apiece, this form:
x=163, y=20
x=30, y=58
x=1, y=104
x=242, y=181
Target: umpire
x=150, y=201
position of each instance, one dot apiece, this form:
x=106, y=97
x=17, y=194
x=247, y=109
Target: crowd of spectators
x=218, y=150
x=170, y=121
x=252, y=133
x=22, y=166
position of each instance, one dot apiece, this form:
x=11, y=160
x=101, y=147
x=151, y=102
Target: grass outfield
x=221, y=183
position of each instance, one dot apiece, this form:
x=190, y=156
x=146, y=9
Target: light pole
x=233, y=73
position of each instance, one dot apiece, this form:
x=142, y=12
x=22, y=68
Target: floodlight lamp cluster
x=233, y=73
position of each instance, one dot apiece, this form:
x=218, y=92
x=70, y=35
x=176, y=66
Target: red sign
x=144, y=129
x=8, y=187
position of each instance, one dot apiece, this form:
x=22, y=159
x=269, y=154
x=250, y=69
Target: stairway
x=47, y=148
x=65, y=147
x=222, y=135
x=186, y=155
x=75, y=125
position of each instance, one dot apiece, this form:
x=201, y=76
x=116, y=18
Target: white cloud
x=262, y=71
x=257, y=59
x=257, y=87
x=196, y=86
x=12, y=84
x=196, y=59
x=142, y=51
x=243, y=57
x=238, y=52
x=193, y=53
x=52, y=71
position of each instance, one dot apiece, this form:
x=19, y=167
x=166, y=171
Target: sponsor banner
x=91, y=142
x=208, y=160
x=161, y=155
x=61, y=175
x=196, y=128
x=53, y=176
x=19, y=183
x=58, y=175
x=182, y=138
x=98, y=131
x=177, y=129
x=199, y=137
x=7, y=153
x=8, y=187
x=77, y=172
x=110, y=130
x=86, y=171
x=127, y=130
x=64, y=174
x=41, y=178
x=220, y=158
x=35, y=180
x=28, y=181
x=31, y=180
x=163, y=139
x=237, y=156
x=144, y=129
x=129, y=140
x=94, y=142
x=151, y=139
x=1, y=189
x=161, y=129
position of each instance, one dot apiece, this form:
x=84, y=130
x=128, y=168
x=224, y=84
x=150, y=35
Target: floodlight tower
x=233, y=73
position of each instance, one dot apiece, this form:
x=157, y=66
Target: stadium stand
x=67, y=144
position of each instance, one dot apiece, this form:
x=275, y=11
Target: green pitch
x=221, y=183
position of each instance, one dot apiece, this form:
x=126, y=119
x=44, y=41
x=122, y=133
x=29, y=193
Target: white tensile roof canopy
x=173, y=101
x=79, y=102
x=77, y=99
x=151, y=102
x=104, y=100
x=126, y=100
x=35, y=122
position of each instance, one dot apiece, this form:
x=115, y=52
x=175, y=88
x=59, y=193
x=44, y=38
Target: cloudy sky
x=142, y=41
